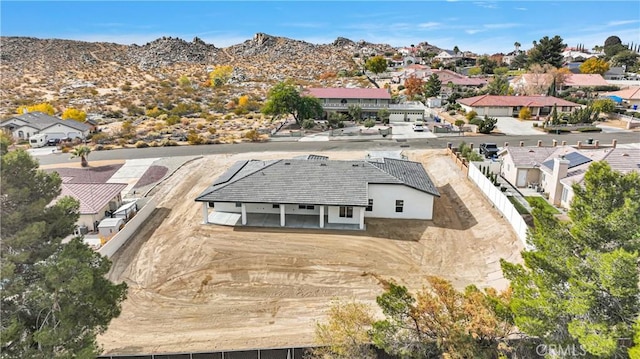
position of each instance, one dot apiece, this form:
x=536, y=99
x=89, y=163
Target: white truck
x=39, y=140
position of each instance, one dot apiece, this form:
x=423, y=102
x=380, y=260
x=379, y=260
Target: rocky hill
x=99, y=76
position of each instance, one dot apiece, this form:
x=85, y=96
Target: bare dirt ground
x=195, y=287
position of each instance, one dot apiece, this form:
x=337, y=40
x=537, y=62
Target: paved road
x=310, y=147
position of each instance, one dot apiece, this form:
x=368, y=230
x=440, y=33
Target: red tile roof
x=513, y=101
x=631, y=93
x=92, y=196
x=365, y=93
x=585, y=80
x=446, y=76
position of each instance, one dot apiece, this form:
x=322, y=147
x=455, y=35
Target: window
x=306, y=206
x=399, y=205
x=276, y=206
x=211, y=204
x=370, y=206
x=20, y=134
x=346, y=212
x=238, y=204
x=565, y=193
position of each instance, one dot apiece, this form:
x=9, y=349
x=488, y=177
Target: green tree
x=486, y=64
x=81, y=152
x=6, y=140
x=55, y=297
x=604, y=105
x=498, y=86
x=613, y=46
x=475, y=71
x=626, y=58
x=555, y=118
x=376, y=64
x=439, y=319
x=74, y=114
x=588, y=114
x=433, y=86
x=284, y=98
x=594, y=65
x=579, y=283
x=547, y=51
x=487, y=125
x=501, y=70
x=355, y=112
x=345, y=333
x=383, y=115
x=520, y=61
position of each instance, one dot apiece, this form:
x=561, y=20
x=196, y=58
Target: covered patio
x=273, y=220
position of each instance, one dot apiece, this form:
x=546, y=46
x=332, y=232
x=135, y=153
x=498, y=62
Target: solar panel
x=230, y=172
x=576, y=159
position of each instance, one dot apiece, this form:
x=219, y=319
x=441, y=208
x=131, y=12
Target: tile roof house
x=540, y=83
x=328, y=192
x=97, y=200
x=554, y=170
x=630, y=95
x=508, y=106
x=370, y=101
x=33, y=123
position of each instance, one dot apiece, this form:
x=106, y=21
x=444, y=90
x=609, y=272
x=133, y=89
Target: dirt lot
x=195, y=287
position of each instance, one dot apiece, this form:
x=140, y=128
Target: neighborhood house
x=97, y=201
x=33, y=123
x=370, y=101
x=554, y=170
x=327, y=193
x=510, y=106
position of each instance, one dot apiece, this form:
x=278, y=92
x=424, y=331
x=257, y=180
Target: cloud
x=507, y=25
x=621, y=22
x=306, y=25
x=486, y=4
x=521, y=8
x=473, y=31
x=429, y=25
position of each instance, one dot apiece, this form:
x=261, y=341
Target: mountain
x=97, y=76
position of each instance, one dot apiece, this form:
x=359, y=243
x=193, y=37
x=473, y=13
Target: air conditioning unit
x=83, y=229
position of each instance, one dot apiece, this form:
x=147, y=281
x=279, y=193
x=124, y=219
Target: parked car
x=53, y=141
x=489, y=149
x=418, y=126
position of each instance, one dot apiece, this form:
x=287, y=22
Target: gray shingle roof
x=321, y=182
x=41, y=121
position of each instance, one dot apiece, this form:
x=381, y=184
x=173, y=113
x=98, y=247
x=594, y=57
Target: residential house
x=554, y=170
x=572, y=55
x=33, y=123
x=509, y=106
x=97, y=201
x=455, y=82
x=630, y=96
x=370, y=101
x=448, y=56
x=615, y=73
x=538, y=84
x=331, y=193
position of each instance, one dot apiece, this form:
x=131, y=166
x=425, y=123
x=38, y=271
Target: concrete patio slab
x=273, y=221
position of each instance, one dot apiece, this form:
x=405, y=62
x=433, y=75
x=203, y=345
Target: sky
x=478, y=26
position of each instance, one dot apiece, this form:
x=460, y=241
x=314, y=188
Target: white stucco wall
x=27, y=131
x=417, y=204
x=334, y=215
x=60, y=131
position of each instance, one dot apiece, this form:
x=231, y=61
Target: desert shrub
x=212, y=130
x=199, y=126
x=252, y=135
x=401, y=87
x=476, y=121
x=524, y=114
x=172, y=120
x=168, y=143
x=369, y=123
x=308, y=124
x=228, y=117
x=459, y=123
x=471, y=115
x=185, y=121
x=154, y=144
x=141, y=144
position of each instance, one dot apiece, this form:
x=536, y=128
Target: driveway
x=513, y=126
x=403, y=130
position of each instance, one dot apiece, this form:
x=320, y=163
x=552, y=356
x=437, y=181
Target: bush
x=471, y=115
x=401, y=87
x=252, y=135
x=589, y=129
x=308, y=124
x=172, y=120
x=525, y=114
x=452, y=112
x=141, y=144
x=476, y=121
x=459, y=123
x=535, y=124
x=369, y=123
x=168, y=143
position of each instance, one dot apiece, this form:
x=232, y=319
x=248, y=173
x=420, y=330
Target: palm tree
x=83, y=153
x=456, y=49
x=517, y=46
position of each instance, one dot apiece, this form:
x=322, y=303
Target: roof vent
x=354, y=165
x=323, y=164
x=625, y=155
x=287, y=163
